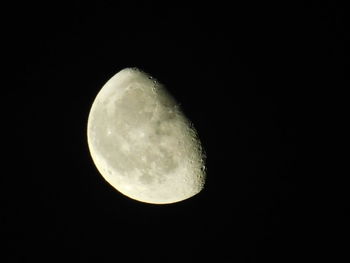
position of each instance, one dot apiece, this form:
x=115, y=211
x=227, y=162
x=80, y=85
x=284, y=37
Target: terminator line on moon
x=142, y=143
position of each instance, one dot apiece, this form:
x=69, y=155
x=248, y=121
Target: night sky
x=244, y=74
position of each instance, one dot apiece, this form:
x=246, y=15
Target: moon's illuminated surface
x=141, y=142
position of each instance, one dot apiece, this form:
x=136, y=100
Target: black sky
x=244, y=74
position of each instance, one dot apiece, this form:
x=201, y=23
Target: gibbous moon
x=142, y=143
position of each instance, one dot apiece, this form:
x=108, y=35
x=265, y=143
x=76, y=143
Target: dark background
x=247, y=76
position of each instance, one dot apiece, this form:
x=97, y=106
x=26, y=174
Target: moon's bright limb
x=142, y=143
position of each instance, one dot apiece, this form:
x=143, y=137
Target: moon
x=142, y=143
